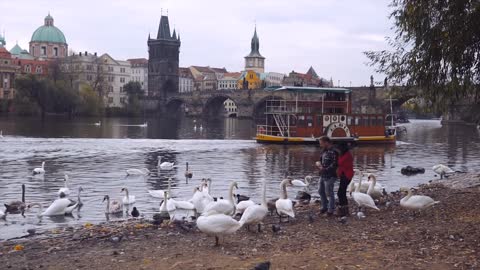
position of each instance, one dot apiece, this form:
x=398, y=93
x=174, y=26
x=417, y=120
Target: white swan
x=374, y=190
x=218, y=225
x=143, y=171
x=223, y=206
x=74, y=204
x=127, y=199
x=39, y=170
x=362, y=199
x=3, y=215
x=165, y=165
x=99, y=123
x=159, y=193
x=255, y=214
x=201, y=198
x=416, y=202
x=442, y=170
x=113, y=206
x=57, y=208
x=242, y=206
x=65, y=190
x=145, y=124
x=284, y=205
x=1, y=134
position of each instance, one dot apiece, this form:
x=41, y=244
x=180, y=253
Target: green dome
x=16, y=50
x=48, y=33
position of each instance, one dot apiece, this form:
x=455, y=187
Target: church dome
x=48, y=33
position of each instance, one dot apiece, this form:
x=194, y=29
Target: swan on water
x=255, y=214
x=284, y=205
x=127, y=199
x=442, y=170
x=16, y=206
x=416, y=202
x=306, y=183
x=188, y=173
x=143, y=171
x=1, y=134
x=217, y=224
x=165, y=165
x=57, y=208
x=39, y=170
x=159, y=193
x=74, y=204
x=3, y=215
x=223, y=206
x=65, y=190
x=145, y=124
x=99, y=123
x=113, y=206
x=362, y=199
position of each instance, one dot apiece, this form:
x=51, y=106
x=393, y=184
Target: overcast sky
x=329, y=35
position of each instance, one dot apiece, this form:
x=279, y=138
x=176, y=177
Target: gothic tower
x=255, y=61
x=163, y=60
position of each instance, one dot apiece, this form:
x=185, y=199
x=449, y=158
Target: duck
x=143, y=171
x=442, y=170
x=362, y=199
x=284, y=205
x=188, y=173
x=127, y=199
x=374, y=190
x=217, y=224
x=113, y=206
x=254, y=214
x=416, y=202
x=38, y=171
x=223, y=206
x=73, y=204
x=135, y=212
x=16, y=206
x=65, y=190
x=165, y=165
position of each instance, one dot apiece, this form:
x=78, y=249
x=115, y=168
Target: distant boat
x=144, y=125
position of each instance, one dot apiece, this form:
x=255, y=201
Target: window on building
x=38, y=70
x=110, y=89
x=28, y=69
x=110, y=69
x=122, y=70
x=111, y=78
x=43, y=50
x=121, y=89
x=89, y=77
x=122, y=79
x=89, y=67
x=55, y=51
x=110, y=100
x=122, y=100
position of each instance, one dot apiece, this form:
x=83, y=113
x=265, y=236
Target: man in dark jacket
x=328, y=175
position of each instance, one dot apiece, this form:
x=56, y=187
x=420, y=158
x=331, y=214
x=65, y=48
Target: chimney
x=86, y=53
x=80, y=54
x=95, y=53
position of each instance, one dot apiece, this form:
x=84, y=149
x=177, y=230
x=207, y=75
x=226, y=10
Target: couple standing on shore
x=335, y=163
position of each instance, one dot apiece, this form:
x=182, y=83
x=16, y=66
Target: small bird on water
x=135, y=212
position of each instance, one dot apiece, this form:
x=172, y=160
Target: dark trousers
x=342, y=190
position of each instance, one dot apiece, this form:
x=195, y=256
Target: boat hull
x=270, y=139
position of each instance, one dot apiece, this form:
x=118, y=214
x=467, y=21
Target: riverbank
x=445, y=237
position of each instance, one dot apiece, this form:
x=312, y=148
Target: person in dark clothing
x=345, y=174
x=328, y=175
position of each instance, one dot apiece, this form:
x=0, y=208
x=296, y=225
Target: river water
x=96, y=157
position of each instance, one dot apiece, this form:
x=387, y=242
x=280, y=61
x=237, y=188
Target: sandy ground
x=445, y=237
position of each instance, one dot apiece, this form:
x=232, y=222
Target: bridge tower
x=163, y=61
x=255, y=61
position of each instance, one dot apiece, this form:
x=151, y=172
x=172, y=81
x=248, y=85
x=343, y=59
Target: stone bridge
x=251, y=103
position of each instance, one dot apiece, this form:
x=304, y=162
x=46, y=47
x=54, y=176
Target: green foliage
x=436, y=47
x=135, y=93
x=91, y=104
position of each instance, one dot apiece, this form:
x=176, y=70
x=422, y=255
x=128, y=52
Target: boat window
x=349, y=121
x=301, y=121
x=357, y=121
x=319, y=120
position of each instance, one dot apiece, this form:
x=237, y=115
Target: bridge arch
x=214, y=106
x=175, y=106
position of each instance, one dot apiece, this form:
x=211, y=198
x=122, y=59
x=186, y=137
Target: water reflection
x=95, y=161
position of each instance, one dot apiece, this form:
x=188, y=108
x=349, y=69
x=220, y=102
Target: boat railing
x=273, y=131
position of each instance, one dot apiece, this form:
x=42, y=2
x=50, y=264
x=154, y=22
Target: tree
x=91, y=103
x=436, y=48
x=135, y=93
x=31, y=89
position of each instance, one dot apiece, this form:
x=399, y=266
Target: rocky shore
x=446, y=236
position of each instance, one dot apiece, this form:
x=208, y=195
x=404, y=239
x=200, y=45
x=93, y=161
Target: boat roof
x=309, y=89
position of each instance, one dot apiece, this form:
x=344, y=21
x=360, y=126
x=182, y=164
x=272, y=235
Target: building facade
x=48, y=41
x=185, y=83
x=104, y=74
x=254, y=61
x=163, y=61
x=229, y=81
x=230, y=108
x=206, y=78
x=250, y=80
x=139, y=68
x=272, y=79
x=8, y=71
x=309, y=79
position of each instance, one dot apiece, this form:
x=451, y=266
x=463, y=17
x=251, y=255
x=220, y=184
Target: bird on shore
x=223, y=206
x=262, y=266
x=40, y=170
x=113, y=206
x=416, y=202
x=218, y=225
x=442, y=170
x=135, y=212
x=362, y=199
x=254, y=214
x=284, y=205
